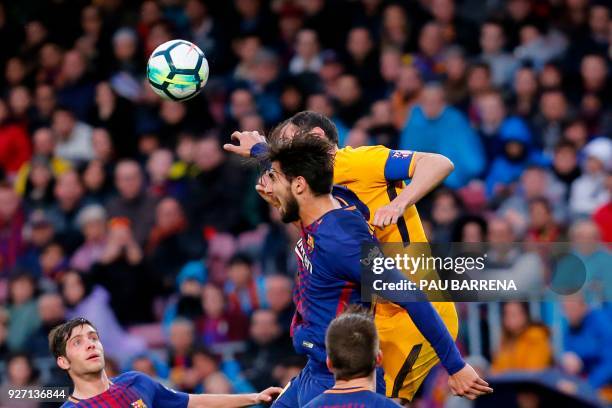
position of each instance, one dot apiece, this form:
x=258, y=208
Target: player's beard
x=291, y=212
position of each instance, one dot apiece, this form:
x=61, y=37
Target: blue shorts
x=312, y=381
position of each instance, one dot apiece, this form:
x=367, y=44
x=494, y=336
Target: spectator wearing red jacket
x=603, y=215
x=15, y=147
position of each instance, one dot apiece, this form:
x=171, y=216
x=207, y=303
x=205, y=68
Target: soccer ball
x=177, y=70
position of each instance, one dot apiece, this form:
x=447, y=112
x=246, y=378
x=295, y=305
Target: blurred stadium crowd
x=124, y=208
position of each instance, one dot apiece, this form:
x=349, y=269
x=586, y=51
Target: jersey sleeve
x=373, y=165
x=364, y=165
x=163, y=396
x=260, y=152
x=399, y=165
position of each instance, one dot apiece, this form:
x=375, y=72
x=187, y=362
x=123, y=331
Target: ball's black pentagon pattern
x=180, y=71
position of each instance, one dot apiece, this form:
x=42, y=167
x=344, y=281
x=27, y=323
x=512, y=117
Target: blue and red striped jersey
x=133, y=390
x=351, y=397
x=328, y=277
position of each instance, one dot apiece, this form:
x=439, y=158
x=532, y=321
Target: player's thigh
x=407, y=356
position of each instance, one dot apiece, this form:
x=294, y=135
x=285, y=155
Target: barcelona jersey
x=329, y=275
x=133, y=390
x=354, y=397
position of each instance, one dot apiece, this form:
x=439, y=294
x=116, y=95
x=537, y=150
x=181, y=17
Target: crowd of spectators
x=124, y=208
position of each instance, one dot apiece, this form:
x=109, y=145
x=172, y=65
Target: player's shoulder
x=344, y=225
x=383, y=402
x=372, y=399
x=362, y=150
x=316, y=402
x=346, y=197
x=68, y=404
x=130, y=377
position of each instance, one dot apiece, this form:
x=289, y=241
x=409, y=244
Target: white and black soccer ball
x=177, y=70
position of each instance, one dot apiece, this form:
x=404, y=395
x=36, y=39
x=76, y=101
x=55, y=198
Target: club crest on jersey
x=310, y=243
x=138, y=404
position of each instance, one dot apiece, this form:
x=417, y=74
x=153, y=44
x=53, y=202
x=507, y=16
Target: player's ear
x=379, y=357
x=319, y=132
x=329, y=364
x=298, y=185
x=63, y=363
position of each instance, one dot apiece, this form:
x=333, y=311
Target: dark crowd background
x=122, y=207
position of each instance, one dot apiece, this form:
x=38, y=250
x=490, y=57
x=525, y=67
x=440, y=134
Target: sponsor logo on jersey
x=302, y=255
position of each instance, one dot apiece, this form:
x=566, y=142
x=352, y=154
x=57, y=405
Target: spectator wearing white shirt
x=73, y=137
x=588, y=192
x=307, y=57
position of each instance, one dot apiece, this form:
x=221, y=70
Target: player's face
x=84, y=352
x=281, y=188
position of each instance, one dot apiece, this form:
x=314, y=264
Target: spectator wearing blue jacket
x=433, y=126
x=518, y=153
x=587, y=340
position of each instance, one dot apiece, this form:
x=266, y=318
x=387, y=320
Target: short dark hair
x=308, y=120
x=495, y=22
x=306, y=155
x=241, y=258
x=541, y=201
x=201, y=350
x=565, y=144
x=59, y=335
x=352, y=344
x=21, y=354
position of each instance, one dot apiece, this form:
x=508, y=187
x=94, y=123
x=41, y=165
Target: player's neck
x=90, y=385
x=362, y=382
x=316, y=207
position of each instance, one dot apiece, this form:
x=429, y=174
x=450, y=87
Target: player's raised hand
x=467, y=383
x=387, y=215
x=246, y=140
x=268, y=395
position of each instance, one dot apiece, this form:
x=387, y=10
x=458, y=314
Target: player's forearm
x=429, y=171
x=221, y=400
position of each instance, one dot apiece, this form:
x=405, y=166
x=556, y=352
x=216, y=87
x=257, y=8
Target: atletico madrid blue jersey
x=353, y=397
x=133, y=390
x=328, y=276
